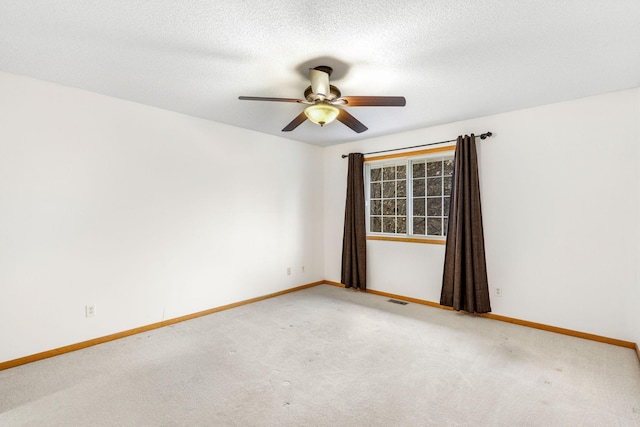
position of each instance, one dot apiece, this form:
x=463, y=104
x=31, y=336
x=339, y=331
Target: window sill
x=432, y=241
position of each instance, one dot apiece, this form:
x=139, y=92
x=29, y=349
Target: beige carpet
x=327, y=356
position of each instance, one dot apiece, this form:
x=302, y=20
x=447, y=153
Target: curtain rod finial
x=486, y=135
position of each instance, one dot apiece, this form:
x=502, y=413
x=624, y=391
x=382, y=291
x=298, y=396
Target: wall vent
x=395, y=301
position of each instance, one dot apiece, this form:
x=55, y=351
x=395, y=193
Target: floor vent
x=395, y=301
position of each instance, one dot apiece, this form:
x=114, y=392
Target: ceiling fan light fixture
x=321, y=113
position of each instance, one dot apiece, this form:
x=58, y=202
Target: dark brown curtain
x=464, y=282
x=354, y=243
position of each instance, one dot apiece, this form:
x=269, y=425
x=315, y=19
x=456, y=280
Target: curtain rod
x=482, y=136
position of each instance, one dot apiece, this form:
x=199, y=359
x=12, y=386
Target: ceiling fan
x=325, y=99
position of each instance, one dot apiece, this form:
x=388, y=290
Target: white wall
x=145, y=213
x=635, y=307
x=151, y=215
x=560, y=191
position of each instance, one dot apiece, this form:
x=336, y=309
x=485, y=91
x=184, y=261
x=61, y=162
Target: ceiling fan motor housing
x=312, y=97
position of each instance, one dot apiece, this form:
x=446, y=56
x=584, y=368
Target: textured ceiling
x=451, y=59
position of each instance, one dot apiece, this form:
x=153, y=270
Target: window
x=409, y=196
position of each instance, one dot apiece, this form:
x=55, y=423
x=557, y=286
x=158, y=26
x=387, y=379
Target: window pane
x=376, y=224
x=448, y=166
x=389, y=189
x=434, y=226
x=418, y=225
x=376, y=174
x=418, y=207
x=376, y=190
x=418, y=170
x=402, y=206
x=402, y=188
x=389, y=207
x=434, y=168
x=445, y=202
x=418, y=187
x=376, y=207
x=434, y=206
x=402, y=224
x=389, y=224
x=434, y=186
x=401, y=171
x=446, y=226
x=447, y=185
x=389, y=173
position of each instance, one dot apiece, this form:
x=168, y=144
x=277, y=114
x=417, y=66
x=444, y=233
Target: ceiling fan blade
x=375, y=101
x=295, y=122
x=260, y=98
x=319, y=82
x=351, y=121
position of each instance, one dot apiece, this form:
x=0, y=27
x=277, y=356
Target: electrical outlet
x=90, y=310
x=303, y=268
x=498, y=292
x=288, y=271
